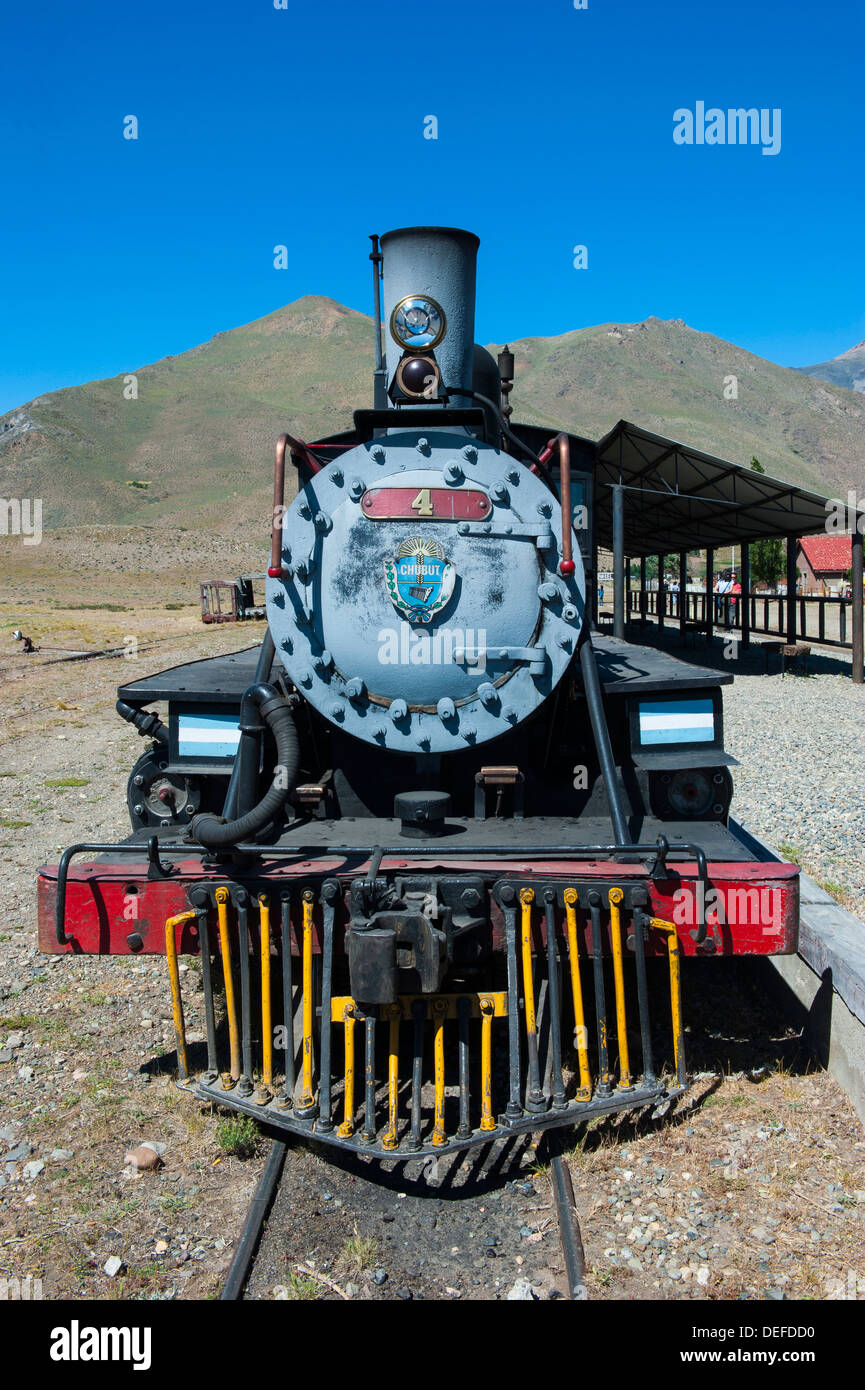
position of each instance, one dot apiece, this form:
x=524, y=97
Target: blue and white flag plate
x=207, y=735
x=676, y=721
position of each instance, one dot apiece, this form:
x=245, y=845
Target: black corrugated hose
x=216, y=833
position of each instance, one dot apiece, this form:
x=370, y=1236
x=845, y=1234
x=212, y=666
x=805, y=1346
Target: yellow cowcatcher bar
x=174, y=980
x=527, y=897
x=347, y=1126
x=307, y=1099
x=616, y=896
x=390, y=1138
x=487, y=1010
x=222, y=896
x=571, y=899
x=440, y=1008
x=266, y=1019
x=675, y=955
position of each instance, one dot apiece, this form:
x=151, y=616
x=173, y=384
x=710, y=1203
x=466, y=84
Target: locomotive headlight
x=419, y=376
x=690, y=793
x=418, y=322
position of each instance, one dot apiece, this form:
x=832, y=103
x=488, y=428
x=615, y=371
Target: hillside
x=195, y=448
x=670, y=378
x=847, y=369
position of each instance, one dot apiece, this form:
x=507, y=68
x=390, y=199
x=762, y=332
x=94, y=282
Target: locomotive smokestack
x=429, y=301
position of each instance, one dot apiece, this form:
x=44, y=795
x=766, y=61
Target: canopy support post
x=857, y=636
x=618, y=561
x=792, y=543
x=745, y=596
x=710, y=596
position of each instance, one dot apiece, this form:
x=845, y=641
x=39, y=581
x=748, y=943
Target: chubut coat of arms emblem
x=420, y=579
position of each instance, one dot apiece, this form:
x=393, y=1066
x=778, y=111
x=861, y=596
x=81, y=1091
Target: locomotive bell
x=429, y=305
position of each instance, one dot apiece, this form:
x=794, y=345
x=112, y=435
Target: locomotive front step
x=425, y=1073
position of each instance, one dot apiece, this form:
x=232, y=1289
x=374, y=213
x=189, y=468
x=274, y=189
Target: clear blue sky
x=304, y=126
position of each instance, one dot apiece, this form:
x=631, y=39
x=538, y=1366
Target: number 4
x=422, y=504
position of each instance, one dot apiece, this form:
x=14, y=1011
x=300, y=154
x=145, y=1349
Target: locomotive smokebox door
x=420, y=607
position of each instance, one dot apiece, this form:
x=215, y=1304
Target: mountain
x=848, y=369
x=196, y=446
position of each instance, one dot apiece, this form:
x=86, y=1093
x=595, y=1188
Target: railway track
x=470, y=1225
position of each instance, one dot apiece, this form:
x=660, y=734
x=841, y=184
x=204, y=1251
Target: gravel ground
x=800, y=743
x=801, y=784
x=85, y=1044
x=751, y=1188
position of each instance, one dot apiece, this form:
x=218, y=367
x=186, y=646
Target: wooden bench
x=794, y=655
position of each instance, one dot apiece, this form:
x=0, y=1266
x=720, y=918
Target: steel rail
x=569, y=1225
x=238, y=1271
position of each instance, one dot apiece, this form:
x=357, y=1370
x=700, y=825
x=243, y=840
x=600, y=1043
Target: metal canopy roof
x=678, y=498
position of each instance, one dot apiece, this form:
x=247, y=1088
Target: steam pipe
x=566, y=564
x=379, y=398
x=275, y=570
x=315, y=465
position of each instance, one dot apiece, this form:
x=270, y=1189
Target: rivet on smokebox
x=146, y=1157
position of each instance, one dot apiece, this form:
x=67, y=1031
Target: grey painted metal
x=618, y=560
x=494, y=653
x=683, y=592
x=438, y=262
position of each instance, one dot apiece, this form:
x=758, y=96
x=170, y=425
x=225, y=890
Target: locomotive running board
x=528, y=1058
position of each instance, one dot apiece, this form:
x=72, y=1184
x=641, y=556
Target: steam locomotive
x=427, y=840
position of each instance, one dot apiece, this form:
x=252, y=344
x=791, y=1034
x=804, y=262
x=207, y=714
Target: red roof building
x=824, y=561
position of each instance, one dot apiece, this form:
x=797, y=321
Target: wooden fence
x=823, y=620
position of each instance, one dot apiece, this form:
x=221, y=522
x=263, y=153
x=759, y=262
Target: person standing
x=722, y=587
x=735, y=595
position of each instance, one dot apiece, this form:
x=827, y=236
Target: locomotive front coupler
x=403, y=935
